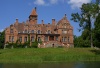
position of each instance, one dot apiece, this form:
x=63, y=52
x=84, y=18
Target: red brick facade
x=55, y=33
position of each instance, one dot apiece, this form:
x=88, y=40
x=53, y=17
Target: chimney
x=17, y=20
x=42, y=22
x=53, y=22
x=65, y=15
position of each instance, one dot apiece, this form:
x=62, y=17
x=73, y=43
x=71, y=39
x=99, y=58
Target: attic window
x=32, y=31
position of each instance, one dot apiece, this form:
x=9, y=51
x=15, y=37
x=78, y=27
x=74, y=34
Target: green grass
x=40, y=55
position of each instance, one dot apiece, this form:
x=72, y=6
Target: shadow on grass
x=97, y=52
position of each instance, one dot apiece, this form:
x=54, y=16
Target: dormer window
x=32, y=31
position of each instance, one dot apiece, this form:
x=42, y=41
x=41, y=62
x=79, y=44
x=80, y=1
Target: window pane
x=39, y=39
x=32, y=39
x=25, y=39
x=46, y=38
x=39, y=32
x=32, y=31
x=12, y=38
x=20, y=39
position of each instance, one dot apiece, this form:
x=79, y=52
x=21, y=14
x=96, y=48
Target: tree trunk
x=91, y=40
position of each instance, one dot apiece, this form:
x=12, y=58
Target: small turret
x=33, y=16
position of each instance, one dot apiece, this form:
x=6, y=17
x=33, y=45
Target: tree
x=80, y=42
x=86, y=17
x=2, y=39
x=97, y=32
x=35, y=43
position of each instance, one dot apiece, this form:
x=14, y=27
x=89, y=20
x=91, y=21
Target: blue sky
x=46, y=10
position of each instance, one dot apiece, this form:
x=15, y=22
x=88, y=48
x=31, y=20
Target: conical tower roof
x=33, y=13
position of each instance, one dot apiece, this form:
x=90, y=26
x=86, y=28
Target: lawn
x=40, y=55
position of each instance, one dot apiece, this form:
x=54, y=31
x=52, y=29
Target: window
x=32, y=31
x=25, y=39
x=39, y=32
x=9, y=38
x=64, y=39
x=64, y=32
x=20, y=39
x=68, y=39
x=12, y=38
x=26, y=31
x=56, y=38
x=32, y=39
x=65, y=26
x=39, y=39
x=11, y=30
x=46, y=38
x=49, y=31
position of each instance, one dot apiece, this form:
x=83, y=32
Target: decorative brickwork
x=52, y=35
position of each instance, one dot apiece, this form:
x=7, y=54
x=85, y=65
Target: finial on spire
x=35, y=8
x=65, y=15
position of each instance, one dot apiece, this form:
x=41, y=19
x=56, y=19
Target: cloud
x=39, y=2
x=47, y=2
x=53, y=1
x=77, y=3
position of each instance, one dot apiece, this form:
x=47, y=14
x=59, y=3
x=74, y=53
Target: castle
x=56, y=33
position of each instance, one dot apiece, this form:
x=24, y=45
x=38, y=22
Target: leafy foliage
x=86, y=17
x=97, y=32
x=2, y=39
x=79, y=42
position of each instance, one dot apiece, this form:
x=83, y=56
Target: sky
x=10, y=10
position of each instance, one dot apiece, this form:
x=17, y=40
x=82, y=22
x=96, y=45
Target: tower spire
x=33, y=16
